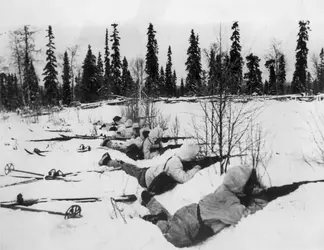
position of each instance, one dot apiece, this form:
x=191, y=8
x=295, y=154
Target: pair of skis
x=36, y=151
x=52, y=175
x=72, y=212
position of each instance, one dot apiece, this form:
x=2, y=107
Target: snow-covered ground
x=292, y=222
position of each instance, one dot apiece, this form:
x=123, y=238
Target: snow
x=291, y=222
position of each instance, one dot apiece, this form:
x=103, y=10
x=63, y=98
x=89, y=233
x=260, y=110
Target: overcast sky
x=84, y=22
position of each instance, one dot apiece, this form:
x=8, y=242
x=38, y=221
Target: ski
x=29, y=202
x=31, y=180
x=36, y=151
x=20, y=201
x=72, y=212
x=31, y=153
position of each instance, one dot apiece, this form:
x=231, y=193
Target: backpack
x=133, y=152
x=162, y=183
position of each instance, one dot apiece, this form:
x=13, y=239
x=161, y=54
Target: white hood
x=188, y=152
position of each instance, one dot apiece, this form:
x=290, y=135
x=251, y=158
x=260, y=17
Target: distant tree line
x=107, y=76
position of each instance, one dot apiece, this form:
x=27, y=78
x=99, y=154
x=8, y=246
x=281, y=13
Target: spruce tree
x=309, y=83
x=266, y=87
x=151, y=62
x=18, y=92
x=182, y=88
x=35, y=99
x=300, y=74
x=78, y=89
x=320, y=73
x=3, y=91
x=126, y=79
x=66, y=77
x=281, y=74
x=24, y=49
x=168, y=75
x=162, y=88
x=270, y=65
x=89, y=86
x=11, y=93
x=50, y=73
x=174, y=83
x=100, y=71
x=193, y=65
x=236, y=60
x=115, y=62
x=107, y=67
x=253, y=76
x=212, y=73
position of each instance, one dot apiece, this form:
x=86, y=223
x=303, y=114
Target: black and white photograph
x=161, y=124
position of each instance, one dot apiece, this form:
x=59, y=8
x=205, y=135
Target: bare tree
x=22, y=45
x=15, y=43
x=73, y=50
x=223, y=125
x=140, y=107
x=274, y=53
x=315, y=64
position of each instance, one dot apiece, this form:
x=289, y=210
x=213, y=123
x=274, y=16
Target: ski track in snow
x=291, y=222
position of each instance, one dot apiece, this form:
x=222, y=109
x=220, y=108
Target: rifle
x=205, y=161
x=169, y=138
x=162, y=150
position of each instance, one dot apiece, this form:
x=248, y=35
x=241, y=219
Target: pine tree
x=162, y=88
x=300, y=74
x=107, y=76
x=89, y=86
x=151, y=62
x=66, y=77
x=115, y=62
x=193, y=64
x=182, y=88
x=253, y=76
x=168, y=75
x=100, y=71
x=281, y=74
x=212, y=74
x=126, y=79
x=270, y=65
x=50, y=73
x=236, y=60
x=174, y=83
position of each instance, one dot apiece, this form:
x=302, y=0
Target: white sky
x=84, y=22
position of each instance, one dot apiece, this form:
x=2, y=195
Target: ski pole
x=10, y=168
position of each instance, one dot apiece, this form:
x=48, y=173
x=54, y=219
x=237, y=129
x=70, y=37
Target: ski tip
x=28, y=151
